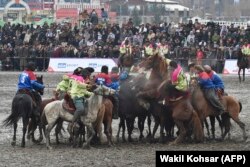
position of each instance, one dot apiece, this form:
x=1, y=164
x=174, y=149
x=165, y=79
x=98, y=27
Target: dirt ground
x=123, y=154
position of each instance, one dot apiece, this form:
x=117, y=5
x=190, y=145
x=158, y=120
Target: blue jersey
x=218, y=83
x=24, y=81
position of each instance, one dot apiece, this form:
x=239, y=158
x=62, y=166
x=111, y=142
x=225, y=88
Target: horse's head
x=158, y=64
x=104, y=91
x=40, y=80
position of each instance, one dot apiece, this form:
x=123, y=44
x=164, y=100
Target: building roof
x=67, y=12
x=162, y=1
x=172, y=7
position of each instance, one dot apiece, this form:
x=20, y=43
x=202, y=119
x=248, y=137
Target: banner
x=70, y=64
x=232, y=68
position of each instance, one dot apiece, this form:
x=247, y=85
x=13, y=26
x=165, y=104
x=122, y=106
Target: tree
x=136, y=17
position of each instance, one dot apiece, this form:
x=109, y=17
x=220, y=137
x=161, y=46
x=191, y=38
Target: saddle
x=28, y=92
x=68, y=104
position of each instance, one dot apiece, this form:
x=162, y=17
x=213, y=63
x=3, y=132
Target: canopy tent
x=49, y=21
x=2, y=23
x=17, y=22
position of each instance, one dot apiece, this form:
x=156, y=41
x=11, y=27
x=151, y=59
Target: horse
x=242, y=63
x=54, y=110
x=203, y=108
x=107, y=108
x=129, y=109
x=23, y=107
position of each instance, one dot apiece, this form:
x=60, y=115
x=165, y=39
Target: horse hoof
x=173, y=143
x=13, y=143
x=86, y=146
x=49, y=148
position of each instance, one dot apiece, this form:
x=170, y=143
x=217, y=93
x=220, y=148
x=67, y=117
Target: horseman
x=104, y=78
x=246, y=52
x=163, y=48
x=208, y=89
x=125, y=51
x=79, y=92
x=216, y=79
x=27, y=82
x=178, y=85
x=149, y=49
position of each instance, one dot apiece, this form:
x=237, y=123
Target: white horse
x=54, y=110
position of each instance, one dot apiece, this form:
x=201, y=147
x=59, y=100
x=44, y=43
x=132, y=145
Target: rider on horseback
x=79, y=92
x=104, y=79
x=216, y=79
x=208, y=89
x=27, y=82
x=178, y=85
x=125, y=50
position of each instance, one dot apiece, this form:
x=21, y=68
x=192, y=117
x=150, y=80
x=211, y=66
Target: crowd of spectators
x=93, y=39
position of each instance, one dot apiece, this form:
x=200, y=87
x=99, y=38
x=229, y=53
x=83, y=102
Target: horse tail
x=17, y=110
x=197, y=127
x=240, y=106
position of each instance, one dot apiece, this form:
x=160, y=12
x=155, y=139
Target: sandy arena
x=123, y=154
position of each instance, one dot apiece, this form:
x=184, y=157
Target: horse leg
x=91, y=134
x=130, y=127
x=58, y=130
x=149, y=126
x=212, y=122
x=239, y=74
x=107, y=133
x=161, y=140
x=244, y=74
x=220, y=124
x=225, y=124
x=182, y=132
x=13, y=143
x=121, y=125
x=207, y=127
x=47, y=133
x=141, y=121
x=25, y=124
x=241, y=124
x=157, y=123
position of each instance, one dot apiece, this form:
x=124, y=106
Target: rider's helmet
x=31, y=66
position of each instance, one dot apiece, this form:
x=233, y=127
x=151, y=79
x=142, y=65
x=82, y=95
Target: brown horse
x=232, y=107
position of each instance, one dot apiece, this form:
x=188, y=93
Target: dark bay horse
x=242, y=63
x=203, y=108
x=129, y=109
x=24, y=107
